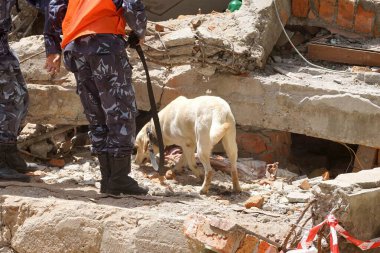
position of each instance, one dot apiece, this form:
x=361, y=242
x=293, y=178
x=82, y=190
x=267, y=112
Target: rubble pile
x=274, y=95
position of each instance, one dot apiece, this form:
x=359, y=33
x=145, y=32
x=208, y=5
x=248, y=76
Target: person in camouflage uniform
x=103, y=73
x=13, y=102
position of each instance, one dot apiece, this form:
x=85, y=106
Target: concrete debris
x=271, y=171
x=305, y=185
x=299, y=197
x=353, y=198
x=224, y=236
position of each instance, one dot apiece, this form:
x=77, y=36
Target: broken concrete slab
x=366, y=179
x=354, y=198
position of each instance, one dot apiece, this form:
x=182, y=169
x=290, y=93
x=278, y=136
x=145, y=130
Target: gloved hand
x=133, y=40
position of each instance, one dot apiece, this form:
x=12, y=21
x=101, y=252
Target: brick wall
x=264, y=144
x=356, y=16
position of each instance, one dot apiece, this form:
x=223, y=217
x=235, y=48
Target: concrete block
x=299, y=197
x=366, y=179
x=356, y=209
x=180, y=37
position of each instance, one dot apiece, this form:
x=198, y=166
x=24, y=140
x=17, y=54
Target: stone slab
x=366, y=179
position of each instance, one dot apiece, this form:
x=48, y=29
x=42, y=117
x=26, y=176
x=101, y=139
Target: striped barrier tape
x=335, y=228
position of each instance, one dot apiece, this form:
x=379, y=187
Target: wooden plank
x=353, y=56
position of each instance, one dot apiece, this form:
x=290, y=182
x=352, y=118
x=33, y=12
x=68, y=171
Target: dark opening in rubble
x=314, y=156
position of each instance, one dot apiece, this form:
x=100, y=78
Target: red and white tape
x=335, y=228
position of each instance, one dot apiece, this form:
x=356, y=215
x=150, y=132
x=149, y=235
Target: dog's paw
x=203, y=191
x=237, y=189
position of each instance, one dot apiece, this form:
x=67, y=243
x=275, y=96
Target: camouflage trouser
x=14, y=98
x=108, y=97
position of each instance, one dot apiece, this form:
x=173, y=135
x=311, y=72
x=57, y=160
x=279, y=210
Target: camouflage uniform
x=103, y=74
x=13, y=92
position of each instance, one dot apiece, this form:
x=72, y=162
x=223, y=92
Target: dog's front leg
x=188, y=152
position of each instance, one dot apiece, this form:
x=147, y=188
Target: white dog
x=199, y=124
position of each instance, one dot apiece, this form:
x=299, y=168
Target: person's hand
x=134, y=41
x=53, y=63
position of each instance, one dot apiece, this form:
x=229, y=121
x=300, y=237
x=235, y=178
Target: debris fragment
x=305, y=185
x=299, y=197
x=57, y=163
x=271, y=171
x=254, y=201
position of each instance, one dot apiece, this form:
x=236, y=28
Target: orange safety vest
x=85, y=17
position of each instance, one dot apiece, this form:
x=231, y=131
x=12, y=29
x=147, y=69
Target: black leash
x=153, y=110
x=17, y=6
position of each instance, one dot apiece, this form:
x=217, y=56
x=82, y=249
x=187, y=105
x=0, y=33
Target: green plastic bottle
x=234, y=5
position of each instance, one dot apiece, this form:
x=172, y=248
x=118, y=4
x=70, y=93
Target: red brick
x=346, y=12
x=57, y=163
x=249, y=244
x=265, y=247
x=366, y=157
x=327, y=10
x=364, y=20
x=251, y=143
x=300, y=8
x=254, y=201
x=267, y=157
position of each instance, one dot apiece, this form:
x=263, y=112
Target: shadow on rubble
x=89, y=194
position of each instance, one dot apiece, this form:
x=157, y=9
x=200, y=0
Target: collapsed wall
x=354, y=199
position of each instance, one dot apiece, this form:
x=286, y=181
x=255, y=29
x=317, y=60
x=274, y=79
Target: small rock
x=254, y=201
x=169, y=175
x=299, y=197
x=305, y=185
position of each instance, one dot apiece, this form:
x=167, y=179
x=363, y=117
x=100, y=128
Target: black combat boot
x=7, y=173
x=119, y=181
x=14, y=160
x=104, y=170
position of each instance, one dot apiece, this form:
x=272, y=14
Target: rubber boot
x=7, y=173
x=119, y=181
x=104, y=170
x=14, y=160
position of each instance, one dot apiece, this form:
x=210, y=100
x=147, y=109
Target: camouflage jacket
x=5, y=24
x=5, y=19
x=134, y=13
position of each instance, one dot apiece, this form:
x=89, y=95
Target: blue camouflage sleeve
x=53, y=25
x=135, y=16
